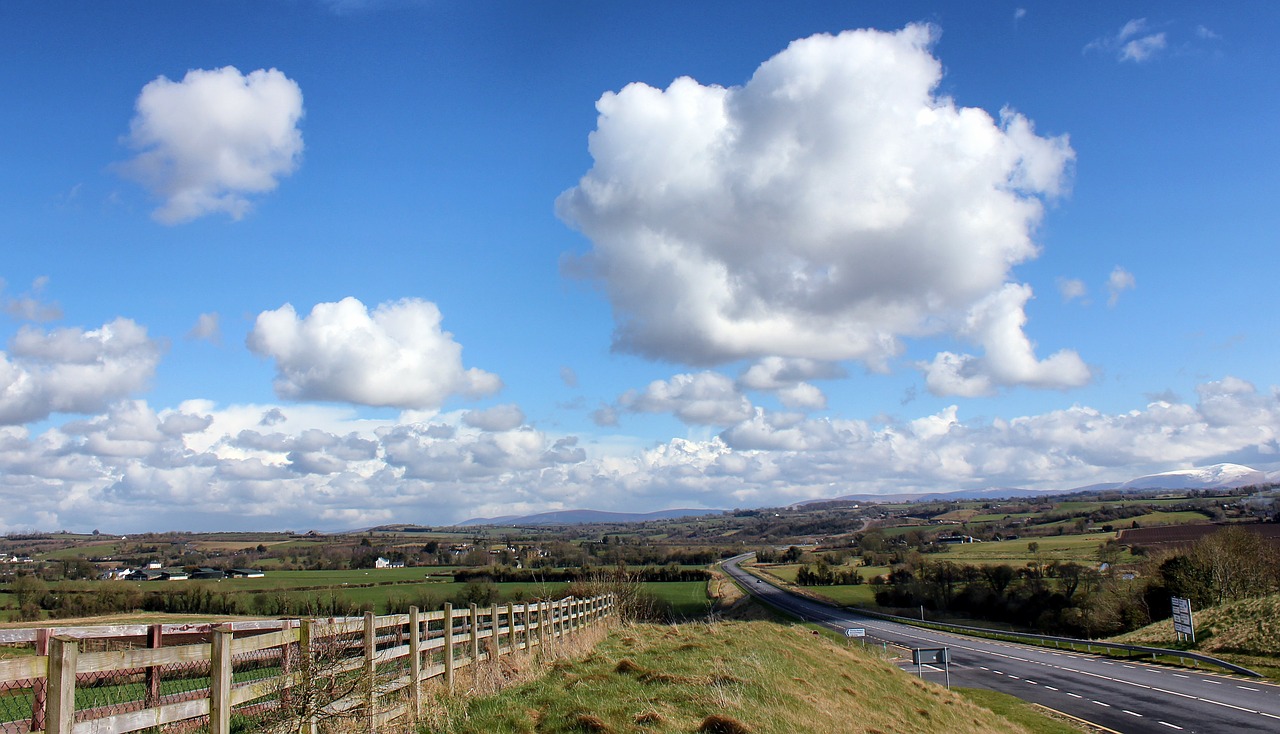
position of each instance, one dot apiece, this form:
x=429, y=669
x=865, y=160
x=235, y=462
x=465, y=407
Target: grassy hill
x=728, y=678
x=1246, y=632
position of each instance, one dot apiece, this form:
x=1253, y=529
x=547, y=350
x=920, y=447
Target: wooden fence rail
x=369, y=668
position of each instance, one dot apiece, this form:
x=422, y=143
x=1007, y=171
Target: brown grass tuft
x=650, y=718
x=591, y=723
x=626, y=665
x=717, y=724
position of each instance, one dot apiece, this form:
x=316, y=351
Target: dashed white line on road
x=1247, y=688
x=1171, y=726
x=1180, y=675
x=1132, y=713
x=1050, y=688
x=1075, y=695
x=1102, y=704
x=1215, y=682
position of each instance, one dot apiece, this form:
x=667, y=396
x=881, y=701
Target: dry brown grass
x=717, y=724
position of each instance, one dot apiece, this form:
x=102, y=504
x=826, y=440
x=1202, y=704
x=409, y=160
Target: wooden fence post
x=542, y=624
x=475, y=637
x=415, y=663
x=370, y=647
x=40, y=688
x=495, y=622
x=60, y=706
x=511, y=627
x=306, y=670
x=220, y=681
x=155, y=639
x=448, y=645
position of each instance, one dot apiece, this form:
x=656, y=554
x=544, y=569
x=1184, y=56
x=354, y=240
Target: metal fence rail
x=110, y=680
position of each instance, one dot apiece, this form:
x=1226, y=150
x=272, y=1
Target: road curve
x=1118, y=695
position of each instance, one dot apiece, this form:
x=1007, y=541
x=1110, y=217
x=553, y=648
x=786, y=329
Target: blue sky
x=301, y=265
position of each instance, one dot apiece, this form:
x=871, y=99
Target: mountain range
x=1215, y=476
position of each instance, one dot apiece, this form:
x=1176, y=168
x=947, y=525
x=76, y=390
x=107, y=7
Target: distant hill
x=961, y=494
x=584, y=517
x=1215, y=476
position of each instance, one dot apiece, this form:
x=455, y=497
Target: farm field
x=688, y=599
x=1078, y=548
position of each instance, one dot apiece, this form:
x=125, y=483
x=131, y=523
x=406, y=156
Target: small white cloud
x=1133, y=42
x=606, y=416
x=1206, y=33
x=1119, y=281
x=1019, y=13
x=30, y=306
x=703, y=398
x=211, y=141
x=787, y=378
x=568, y=376
x=1072, y=289
x=74, y=371
x=396, y=356
x=207, y=328
x=497, y=418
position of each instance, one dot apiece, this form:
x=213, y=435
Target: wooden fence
x=115, y=679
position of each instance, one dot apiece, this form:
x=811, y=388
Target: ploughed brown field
x=1178, y=535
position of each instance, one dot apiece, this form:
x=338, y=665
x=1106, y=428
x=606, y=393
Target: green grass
x=1078, y=548
x=755, y=677
x=1017, y=711
x=1163, y=518
x=1245, y=632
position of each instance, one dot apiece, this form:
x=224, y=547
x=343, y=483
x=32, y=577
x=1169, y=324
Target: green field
x=1078, y=548
x=688, y=599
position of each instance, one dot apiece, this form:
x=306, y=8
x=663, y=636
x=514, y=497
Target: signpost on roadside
x=859, y=632
x=932, y=655
x=1183, y=624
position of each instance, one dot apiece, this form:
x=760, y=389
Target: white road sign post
x=1183, y=624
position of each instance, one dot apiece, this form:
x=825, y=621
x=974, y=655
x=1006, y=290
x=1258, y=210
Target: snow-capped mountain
x=1216, y=476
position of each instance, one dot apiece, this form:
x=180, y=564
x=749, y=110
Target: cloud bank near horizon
x=201, y=466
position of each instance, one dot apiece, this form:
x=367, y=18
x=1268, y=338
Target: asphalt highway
x=1121, y=696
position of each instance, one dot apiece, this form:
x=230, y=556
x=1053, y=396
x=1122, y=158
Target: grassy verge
x=733, y=677
x=1024, y=714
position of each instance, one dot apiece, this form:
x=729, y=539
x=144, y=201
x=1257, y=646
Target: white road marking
x=1102, y=704
x=1247, y=688
x=1179, y=675
x=1216, y=683
x=1171, y=726
x=1075, y=695
x=1132, y=713
x=1050, y=688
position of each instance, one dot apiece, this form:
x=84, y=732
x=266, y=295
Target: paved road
x=1114, y=694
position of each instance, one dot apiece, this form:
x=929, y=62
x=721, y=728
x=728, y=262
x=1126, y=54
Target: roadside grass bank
x=731, y=677
x=1033, y=718
x=1245, y=632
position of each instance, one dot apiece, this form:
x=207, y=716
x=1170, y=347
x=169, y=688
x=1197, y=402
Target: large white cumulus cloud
x=73, y=370
x=395, y=356
x=212, y=140
x=826, y=209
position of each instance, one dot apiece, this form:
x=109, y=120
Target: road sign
x=855, y=632
x=930, y=655
x=1182, y=621
x=923, y=656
